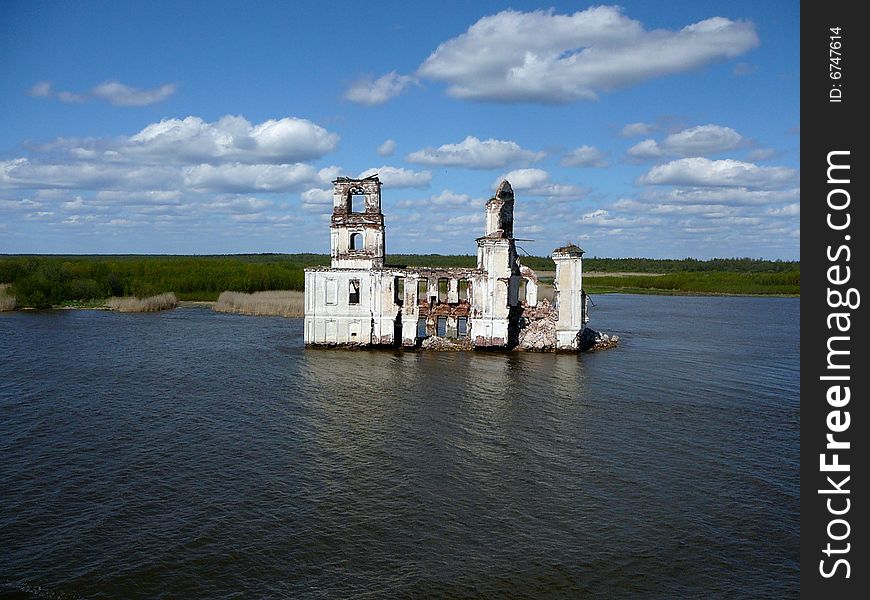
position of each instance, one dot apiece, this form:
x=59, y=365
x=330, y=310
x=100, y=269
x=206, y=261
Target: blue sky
x=658, y=129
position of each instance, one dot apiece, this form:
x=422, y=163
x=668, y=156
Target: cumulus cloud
x=231, y=138
x=694, y=141
x=702, y=140
x=584, y=156
x=370, y=91
x=542, y=56
x=536, y=182
x=718, y=173
x=317, y=196
x=238, y=177
x=473, y=153
x=645, y=149
x=387, y=148
x=113, y=92
x=29, y=174
x=397, y=177
x=638, y=129
x=183, y=155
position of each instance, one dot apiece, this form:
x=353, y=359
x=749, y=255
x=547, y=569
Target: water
x=191, y=454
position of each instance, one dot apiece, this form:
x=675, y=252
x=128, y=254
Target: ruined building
x=361, y=301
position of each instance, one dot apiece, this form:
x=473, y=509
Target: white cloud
x=730, y=196
x=603, y=218
x=181, y=156
x=387, y=148
x=646, y=149
x=329, y=174
x=397, y=177
x=702, y=140
x=450, y=198
x=718, y=173
x=41, y=90
x=378, y=91
x=143, y=198
x=119, y=94
x=524, y=179
x=237, y=177
x=71, y=97
x=25, y=173
x=471, y=219
x=238, y=204
x=536, y=182
x=638, y=129
x=473, y=153
x=113, y=92
x=545, y=57
x=695, y=141
x=317, y=196
x=790, y=210
x=584, y=156
x=231, y=138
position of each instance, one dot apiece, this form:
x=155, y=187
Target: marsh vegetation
x=284, y=303
x=166, y=301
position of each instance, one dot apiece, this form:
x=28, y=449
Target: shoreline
x=211, y=303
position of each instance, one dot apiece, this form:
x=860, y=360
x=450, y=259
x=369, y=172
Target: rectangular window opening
x=353, y=295
x=422, y=288
x=463, y=289
x=462, y=327
x=441, y=329
x=443, y=286
x=399, y=290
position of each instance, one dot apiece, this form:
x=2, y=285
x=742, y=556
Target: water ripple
x=198, y=455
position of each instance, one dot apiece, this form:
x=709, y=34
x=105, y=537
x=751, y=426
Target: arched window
x=356, y=241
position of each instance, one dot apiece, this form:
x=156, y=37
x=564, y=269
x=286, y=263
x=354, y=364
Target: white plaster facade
x=360, y=301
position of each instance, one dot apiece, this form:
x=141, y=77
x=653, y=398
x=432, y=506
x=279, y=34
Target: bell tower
x=357, y=229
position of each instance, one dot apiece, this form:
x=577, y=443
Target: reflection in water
x=191, y=454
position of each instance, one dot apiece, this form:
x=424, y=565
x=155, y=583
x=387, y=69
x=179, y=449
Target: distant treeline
x=667, y=265
x=46, y=280
x=612, y=265
x=699, y=282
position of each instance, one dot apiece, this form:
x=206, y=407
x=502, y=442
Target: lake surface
x=191, y=454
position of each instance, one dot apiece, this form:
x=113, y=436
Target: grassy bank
x=43, y=281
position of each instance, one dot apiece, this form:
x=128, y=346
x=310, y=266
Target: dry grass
x=7, y=302
x=289, y=303
x=166, y=301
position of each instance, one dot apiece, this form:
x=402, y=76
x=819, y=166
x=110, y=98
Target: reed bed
x=7, y=301
x=281, y=303
x=166, y=301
